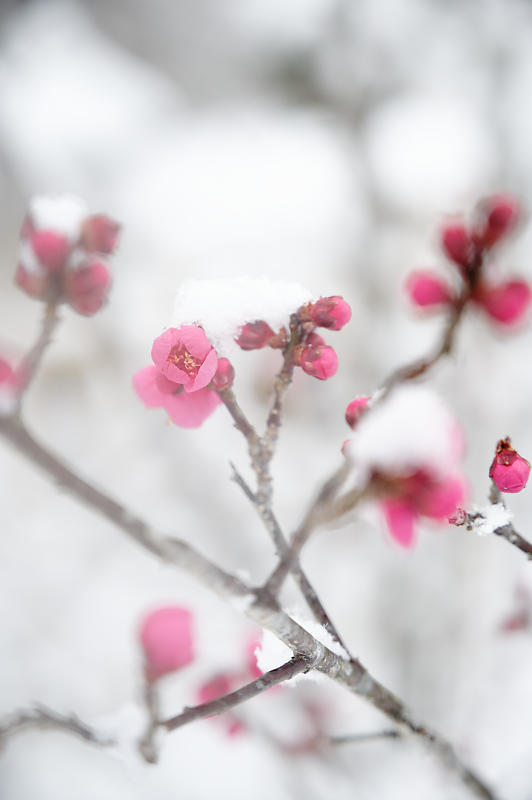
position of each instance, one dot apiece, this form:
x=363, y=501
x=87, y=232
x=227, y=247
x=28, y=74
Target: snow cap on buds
x=254, y=335
x=509, y=471
x=506, y=303
x=224, y=375
x=456, y=243
x=330, y=312
x=501, y=214
x=87, y=286
x=184, y=355
x=316, y=358
x=167, y=641
x=425, y=288
x=355, y=410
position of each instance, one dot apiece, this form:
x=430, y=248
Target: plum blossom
x=509, y=471
x=184, y=355
x=186, y=409
x=355, y=409
x=425, y=288
x=330, y=312
x=166, y=637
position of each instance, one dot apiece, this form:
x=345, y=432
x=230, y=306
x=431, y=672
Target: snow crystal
x=63, y=214
x=410, y=429
x=491, y=517
x=222, y=306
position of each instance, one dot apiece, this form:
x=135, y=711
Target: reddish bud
x=224, y=375
x=38, y=285
x=355, y=410
x=427, y=289
x=502, y=214
x=509, y=471
x=456, y=243
x=86, y=288
x=51, y=249
x=254, y=335
x=99, y=234
x=166, y=638
x=505, y=303
x=316, y=358
x=330, y=312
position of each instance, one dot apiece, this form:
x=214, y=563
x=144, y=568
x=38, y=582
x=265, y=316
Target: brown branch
x=42, y=718
x=266, y=612
x=32, y=361
x=222, y=704
x=360, y=738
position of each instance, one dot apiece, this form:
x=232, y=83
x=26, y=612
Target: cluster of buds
x=186, y=378
x=509, y=471
x=311, y=352
x=63, y=254
x=468, y=247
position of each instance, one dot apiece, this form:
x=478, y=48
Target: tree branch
x=32, y=361
x=42, y=718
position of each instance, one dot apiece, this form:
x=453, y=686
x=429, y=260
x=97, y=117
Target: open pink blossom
x=427, y=289
x=505, y=302
x=330, y=312
x=186, y=409
x=167, y=641
x=185, y=355
x=509, y=471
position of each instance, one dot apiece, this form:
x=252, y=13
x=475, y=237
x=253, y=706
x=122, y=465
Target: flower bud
x=99, y=234
x=36, y=284
x=355, y=410
x=254, y=335
x=316, y=358
x=86, y=288
x=330, y=312
x=456, y=243
x=502, y=215
x=427, y=289
x=52, y=249
x=509, y=471
x=506, y=302
x=167, y=641
x=224, y=375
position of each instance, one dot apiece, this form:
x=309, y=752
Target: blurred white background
x=321, y=142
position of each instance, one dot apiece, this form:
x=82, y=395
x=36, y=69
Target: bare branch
x=222, y=704
x=42, y=718
x=361, y=738
x=32, y=361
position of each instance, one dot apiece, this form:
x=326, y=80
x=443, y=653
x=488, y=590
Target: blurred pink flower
x=167, y=641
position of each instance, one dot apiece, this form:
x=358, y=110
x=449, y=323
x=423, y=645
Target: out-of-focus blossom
x=427, y=289
x=166, y=637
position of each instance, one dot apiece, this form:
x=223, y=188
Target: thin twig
x=43, y=718
x=32, y=361
x=360, y=738
x=506, y=532
x=222, y=704
x=147, y=747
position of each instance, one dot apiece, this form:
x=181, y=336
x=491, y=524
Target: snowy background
x=320, y=142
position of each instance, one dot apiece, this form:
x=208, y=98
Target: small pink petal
x=147, y=387
x=206, y=373
x=195, y=341
x=400, y=517
x=191, y=409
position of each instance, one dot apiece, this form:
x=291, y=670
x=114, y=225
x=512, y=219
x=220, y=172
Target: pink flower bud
x=456, y=243
x=185, y=355
x=254, y=335
x=355, y=410
x=224, y=375
x=507, y=302
x=86, y=288
x=36, y=284
x=99, y=234
x=316, y=358
x=330, y=312
x=502, y=215
x=167, y=640
x=52, y=249
x=509, y=471
x=427, y=289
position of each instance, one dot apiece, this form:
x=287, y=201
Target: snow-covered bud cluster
x=185, y=365
x=468, y=247
x=63, y=254
x=509, y=471
x=406, y=454
x=166, y=637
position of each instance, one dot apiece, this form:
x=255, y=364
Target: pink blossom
x=427, y=289
x=86, y=287
x=316, y=358
x=456, y=243
x=185, y=355
x=254, y=335
x=167, y=640
x=188, y=410
x=355, y=410
x=506, y=302
x=52, y=249
x=99, y=234
x=330, y=312
x=509, y=471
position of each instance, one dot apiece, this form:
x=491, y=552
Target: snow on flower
x=221, y=307
x=408, y=449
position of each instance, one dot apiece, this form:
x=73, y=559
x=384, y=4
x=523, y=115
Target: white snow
x=63, y=214
x=411, y=429
x=222, y=306
x=493, y=516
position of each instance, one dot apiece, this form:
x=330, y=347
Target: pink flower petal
x=146, y=384
x=190, y=410
x=185, y=355
x=205, y=374
x=441, y=499
x=195, y=340
x=400, y=517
